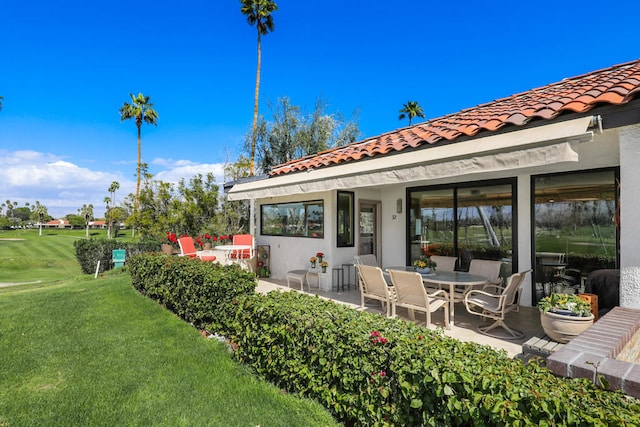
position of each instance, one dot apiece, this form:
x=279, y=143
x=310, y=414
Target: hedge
x=89, y=251
x=199, y=292
x=369, y=370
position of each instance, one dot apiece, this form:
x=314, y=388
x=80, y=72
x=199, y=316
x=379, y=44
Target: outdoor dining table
x=451, y=279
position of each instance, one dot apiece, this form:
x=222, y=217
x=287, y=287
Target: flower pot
x=207, y=246
x=425, y=270
x=313, y=265
x=563, y=328
x=324, y=269
x=167, y=249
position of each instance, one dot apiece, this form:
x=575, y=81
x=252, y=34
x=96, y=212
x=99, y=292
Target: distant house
x=546, y=179
x=98, y=224
x=57, y=223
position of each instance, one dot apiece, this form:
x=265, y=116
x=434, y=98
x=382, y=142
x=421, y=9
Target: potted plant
x=171, y=243
x=324, y=265
x=313, y=261
x=424, y=265
x=564, y=316
x=205, y=241
x=320, y=255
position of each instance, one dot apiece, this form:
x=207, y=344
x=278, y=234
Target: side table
x=323, y=278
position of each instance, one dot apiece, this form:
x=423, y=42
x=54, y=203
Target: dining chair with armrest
x=444, y=263
x=495, y=306
x=374, y=286
x=412, y=295
x=482, y=267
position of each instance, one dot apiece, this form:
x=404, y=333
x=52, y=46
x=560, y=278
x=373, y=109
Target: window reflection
x=575, y=229
x=301, y=219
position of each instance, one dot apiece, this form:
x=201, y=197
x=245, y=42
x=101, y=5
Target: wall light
x=399, y=206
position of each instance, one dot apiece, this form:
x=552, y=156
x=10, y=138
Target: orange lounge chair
x=188, y=248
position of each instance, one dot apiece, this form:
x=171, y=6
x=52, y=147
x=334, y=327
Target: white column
x=524, y=236
x=629, y=211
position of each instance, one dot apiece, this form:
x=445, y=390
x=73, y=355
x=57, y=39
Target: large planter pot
x=563, y=328
x=167, y=249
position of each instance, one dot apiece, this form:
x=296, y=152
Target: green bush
x=199, y=292
x=89, y=251
x=369, y=370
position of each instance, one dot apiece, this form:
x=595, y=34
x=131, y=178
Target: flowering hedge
x=369, y=370
x=199, y=292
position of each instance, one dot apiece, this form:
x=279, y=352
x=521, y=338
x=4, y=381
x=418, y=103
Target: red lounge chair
x=188, y=248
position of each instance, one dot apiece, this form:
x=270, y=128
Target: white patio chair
x=496, y=306
x=367, y=259
x=444, y=263
x=482, y=267
x=412, y=295
x=374, y=286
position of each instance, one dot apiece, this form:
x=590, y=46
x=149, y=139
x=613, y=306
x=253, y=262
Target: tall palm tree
x=140, y=109
x=258, y=13
x=411, y=109
x=1, y=98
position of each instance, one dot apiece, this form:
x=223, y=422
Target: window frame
x=349, y=216
x=302, y=203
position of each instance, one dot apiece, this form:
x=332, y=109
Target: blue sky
x=66, y=68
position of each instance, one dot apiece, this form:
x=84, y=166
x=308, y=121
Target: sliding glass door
x=472, y=220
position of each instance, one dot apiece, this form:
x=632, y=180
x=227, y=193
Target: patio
x=527, y=319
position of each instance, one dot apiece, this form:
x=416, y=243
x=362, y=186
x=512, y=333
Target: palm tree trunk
x=255, y=110
x=139, y=165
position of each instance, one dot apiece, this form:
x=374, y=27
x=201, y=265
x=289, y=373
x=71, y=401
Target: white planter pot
x=563, y=328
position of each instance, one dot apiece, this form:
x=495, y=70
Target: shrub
x=369, y=370
x=89, y=251
x=199, y=292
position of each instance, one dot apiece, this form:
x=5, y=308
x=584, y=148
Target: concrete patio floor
x=527, y=319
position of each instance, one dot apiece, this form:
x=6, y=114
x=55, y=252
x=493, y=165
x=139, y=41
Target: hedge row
x=199, y=292
x=369, y=370
x=366, y=369
x=90, y=251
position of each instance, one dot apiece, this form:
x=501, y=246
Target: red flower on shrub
x=378, y=338
x=172, y=238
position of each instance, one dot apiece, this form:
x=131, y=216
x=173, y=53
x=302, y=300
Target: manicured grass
x=47, y=258
x=95, y=352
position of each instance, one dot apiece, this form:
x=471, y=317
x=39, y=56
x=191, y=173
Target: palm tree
x=258, y=13
x=142, y=110
x=115, y=185
x=411, y=109
x=1, y=98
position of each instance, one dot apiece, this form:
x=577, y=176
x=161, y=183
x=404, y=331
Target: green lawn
x=82, y=351
x=95, y=352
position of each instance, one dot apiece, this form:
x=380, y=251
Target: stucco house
x=546, y=179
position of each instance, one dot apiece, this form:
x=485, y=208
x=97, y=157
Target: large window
x=574, y=228
x=345, y=230
x=464, y=220
x=299, y=219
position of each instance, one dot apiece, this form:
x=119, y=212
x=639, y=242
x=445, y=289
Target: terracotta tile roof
x=615, y=85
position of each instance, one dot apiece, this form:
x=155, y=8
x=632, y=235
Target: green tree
x=39, y=214
x=140, y=109
x=411, y=109
x=258, y=13
x=292, y=133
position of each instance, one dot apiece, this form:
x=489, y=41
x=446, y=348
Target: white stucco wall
x=629, y=223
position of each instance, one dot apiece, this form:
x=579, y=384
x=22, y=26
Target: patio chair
x=482, y=267
x=373, y=286
x=188, y=248
x=495, y=306
x=444, y=263
x=367, y=259
x=243, y=256
x=412, y=295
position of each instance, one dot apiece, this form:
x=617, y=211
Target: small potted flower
x=170, y=243
x=564, y=316
x=324, y=265
x=313, y=261
x=205, y=241
x=320, y=255
x=424, y=265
